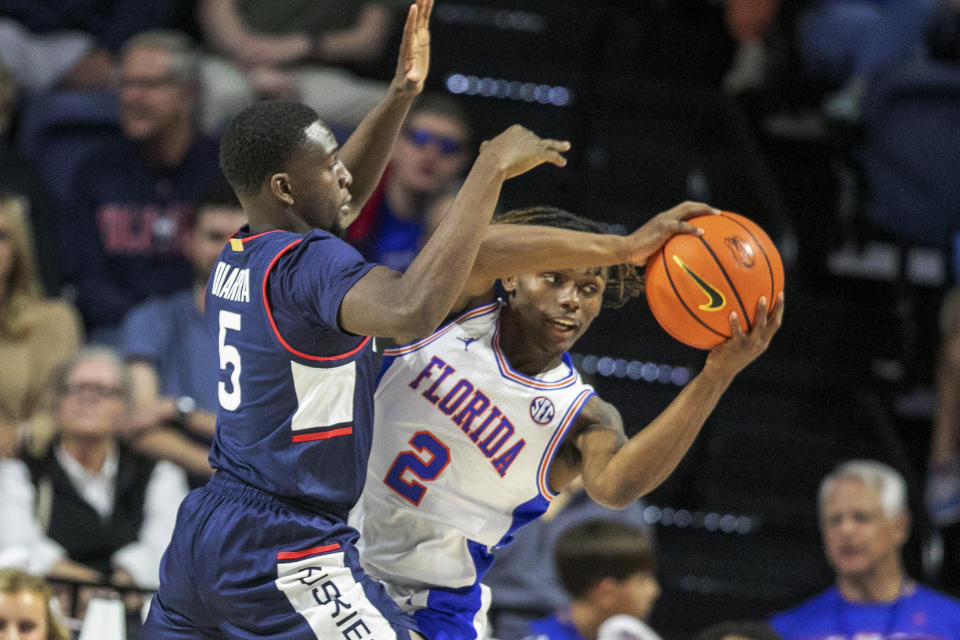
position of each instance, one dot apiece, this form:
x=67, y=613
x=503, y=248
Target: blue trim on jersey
x=470, y=314
x=523, y=514
x=450, y=613
x=385, y=363
x=543, y=469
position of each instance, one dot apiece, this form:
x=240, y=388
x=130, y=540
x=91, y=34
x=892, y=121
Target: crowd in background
x=107, y=373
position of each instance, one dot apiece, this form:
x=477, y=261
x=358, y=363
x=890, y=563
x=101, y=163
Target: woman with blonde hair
x=26, y=607
x=36, y=334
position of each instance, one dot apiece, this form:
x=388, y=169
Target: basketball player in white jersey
x=479, y=425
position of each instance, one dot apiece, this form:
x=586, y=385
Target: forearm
x=368, y=149
x=508, y=249
x=167, y=444
x=227, y=33
x=650, y=456
x=946, y=424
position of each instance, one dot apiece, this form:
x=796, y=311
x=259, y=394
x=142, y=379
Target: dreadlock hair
x=624, y=281
x=592, y=551
x=260, y=141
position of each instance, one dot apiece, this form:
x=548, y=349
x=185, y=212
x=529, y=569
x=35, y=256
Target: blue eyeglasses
x=422, y=137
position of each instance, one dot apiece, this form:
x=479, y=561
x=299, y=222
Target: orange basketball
x=694, y=282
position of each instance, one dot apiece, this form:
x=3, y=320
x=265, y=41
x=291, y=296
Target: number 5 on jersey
x=426, y=463
x=229, y=356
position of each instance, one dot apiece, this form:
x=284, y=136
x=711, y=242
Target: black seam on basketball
x=733, y=287
x=765, y=256
x=666, y=269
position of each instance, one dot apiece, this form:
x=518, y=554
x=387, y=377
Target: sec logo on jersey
x=541, y=410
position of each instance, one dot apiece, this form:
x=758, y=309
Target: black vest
x=72, y=523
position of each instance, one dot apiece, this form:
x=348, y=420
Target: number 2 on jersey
x=426, y=463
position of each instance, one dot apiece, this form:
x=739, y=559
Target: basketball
x=694, y=282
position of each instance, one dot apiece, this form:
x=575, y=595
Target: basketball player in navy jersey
x=480, y=424
x=264, y=549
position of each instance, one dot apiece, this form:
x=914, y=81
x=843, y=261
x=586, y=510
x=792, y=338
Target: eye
x=590, y=289
x=552, y=278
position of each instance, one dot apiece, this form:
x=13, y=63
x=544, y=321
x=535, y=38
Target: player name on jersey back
x=231, y=283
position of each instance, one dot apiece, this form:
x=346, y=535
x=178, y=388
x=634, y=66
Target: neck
x=405, y=204
x=883, y=584
x=524, y=355
x=586, y=619
x=91, y=453
x=168, y=149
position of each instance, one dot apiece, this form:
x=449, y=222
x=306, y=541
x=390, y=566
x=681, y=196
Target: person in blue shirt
x=264, y=549
x=865, y=521
x=173, y=359
x=608, y=568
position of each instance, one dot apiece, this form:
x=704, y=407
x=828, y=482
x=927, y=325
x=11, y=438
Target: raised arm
x=616, y=471
x=408, y=305
x=368, y=149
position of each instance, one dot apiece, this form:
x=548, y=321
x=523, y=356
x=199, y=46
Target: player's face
x=636, y=595
x=557, y=307
x=214, y=227
x=429, y=153
x=22, y=616
x=152, y=100
x=93, y=402
x=320, y=183
x=858, y=536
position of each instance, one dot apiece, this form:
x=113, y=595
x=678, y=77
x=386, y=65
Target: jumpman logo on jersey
x=466, y=342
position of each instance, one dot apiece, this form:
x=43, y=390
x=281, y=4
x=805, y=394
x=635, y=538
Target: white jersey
x=461, y=453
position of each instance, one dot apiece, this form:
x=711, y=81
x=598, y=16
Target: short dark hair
x=588, y=553
x=260, y=140
x=624, y=281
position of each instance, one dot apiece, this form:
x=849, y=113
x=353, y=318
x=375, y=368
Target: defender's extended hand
x=646, y=240
x=518, y=150
x=413, y=62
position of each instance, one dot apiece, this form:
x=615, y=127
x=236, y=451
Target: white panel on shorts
x=323, y=591
x=324, y=395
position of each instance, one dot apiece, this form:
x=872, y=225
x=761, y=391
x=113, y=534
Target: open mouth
x=562, y=326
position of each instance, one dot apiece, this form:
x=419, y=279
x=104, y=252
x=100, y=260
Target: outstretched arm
x=411, y=304
x=617, y=471
x=509, y=249
x=368, y=149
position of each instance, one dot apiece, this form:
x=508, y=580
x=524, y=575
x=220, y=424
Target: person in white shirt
x=88, y=508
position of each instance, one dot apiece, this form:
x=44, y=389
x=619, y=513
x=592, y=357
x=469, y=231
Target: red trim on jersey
x=323, y=435
x=273, y=324
x=296, y=555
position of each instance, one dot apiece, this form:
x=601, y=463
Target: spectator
x=608, y=569
x=36, y=333
x=88, y=508
x=27, y=608
x=943, y=484
x=173, y=358
x=844, y=42
x=865, y=522
x=523, y=580
x=71, y=44
x=20, y=177
x=133, y=198
x=314, y=52
x=428, y=159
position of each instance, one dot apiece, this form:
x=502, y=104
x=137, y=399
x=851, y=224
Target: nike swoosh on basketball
x=717, y=301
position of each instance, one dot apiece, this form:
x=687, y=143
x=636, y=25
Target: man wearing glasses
x=125, y=232
x=428, y=160
x=86, y=507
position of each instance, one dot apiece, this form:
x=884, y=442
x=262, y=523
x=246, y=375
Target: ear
x=280, y=188
x=510, y=283
x=603, y=595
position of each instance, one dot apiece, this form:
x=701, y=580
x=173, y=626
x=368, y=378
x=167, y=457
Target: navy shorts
x=244, y=564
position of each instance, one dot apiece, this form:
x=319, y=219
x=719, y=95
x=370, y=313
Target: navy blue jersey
x=295, y=391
